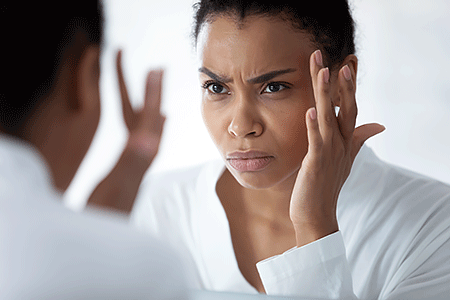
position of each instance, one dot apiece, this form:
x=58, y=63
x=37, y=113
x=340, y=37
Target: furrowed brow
x=270, y=75
x=214, y=76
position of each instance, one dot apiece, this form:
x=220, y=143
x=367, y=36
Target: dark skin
x=256, y=235
x=280, y=100
x=63, y=125
x=290, y=116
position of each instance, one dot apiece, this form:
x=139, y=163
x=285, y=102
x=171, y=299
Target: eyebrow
x=259, y=79
x=270, y=75
x=214, y=76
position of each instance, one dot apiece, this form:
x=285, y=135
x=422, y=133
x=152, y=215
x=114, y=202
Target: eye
x=215, y=88
x=274, y=87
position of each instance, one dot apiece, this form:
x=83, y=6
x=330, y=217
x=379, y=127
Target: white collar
x=21, y=161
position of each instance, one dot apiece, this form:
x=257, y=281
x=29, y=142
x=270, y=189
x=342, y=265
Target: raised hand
x=119, y=189
x=144, y=126
x=334, y=143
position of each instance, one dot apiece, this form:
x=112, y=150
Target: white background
x=403, y=48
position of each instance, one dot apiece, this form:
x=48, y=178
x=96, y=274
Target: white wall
x=403, y=84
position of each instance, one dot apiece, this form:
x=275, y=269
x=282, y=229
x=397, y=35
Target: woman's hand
x=119, y=189
x=333, y=145
x=144, y=126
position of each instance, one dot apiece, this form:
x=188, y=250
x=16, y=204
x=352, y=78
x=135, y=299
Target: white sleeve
x=316, y=270
x=321, y=270
x=63, y=255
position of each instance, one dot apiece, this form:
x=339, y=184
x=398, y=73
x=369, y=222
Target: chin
x=264, y=179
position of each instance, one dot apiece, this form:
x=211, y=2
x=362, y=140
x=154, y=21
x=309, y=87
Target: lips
x=249, y=161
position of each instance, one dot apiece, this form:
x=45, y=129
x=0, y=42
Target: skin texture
x=265, y=89
x=250, y=118
x=291, y=118
x=63, y=126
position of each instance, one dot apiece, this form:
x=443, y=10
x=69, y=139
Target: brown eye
x=274, y=87
x=215, y=88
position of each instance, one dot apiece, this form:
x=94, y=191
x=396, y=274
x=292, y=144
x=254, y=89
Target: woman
x=270, y=220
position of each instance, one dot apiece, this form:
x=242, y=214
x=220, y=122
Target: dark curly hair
x=329, y=22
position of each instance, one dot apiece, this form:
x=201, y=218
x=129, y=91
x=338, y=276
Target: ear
x=87, y=79
x=352, y=62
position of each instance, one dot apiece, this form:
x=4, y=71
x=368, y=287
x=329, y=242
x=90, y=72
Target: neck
x=47, y=130
x=271, y=204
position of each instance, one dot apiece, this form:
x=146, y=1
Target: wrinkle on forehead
x=261, y=45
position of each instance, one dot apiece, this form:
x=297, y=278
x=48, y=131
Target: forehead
x=257, y=43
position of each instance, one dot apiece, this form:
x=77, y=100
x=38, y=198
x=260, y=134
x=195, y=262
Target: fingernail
x=347, y=73
x=318, y=57
x=313, y=113
x=326, y=75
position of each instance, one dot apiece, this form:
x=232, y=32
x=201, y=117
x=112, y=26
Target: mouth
x=249, y=161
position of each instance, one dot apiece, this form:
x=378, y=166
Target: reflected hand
x=334, y=143
x=119, y=189
x=145, y=126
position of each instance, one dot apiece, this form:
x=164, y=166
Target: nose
x=245, y=121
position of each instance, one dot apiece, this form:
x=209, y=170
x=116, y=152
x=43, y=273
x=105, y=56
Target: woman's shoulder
x=165, y=183
x=169, y=205
x=171, y=194
x=386, y=199
x=372, y=178
x=393, y=217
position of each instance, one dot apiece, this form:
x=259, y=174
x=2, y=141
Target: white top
x=50, y=252
x=393, y=243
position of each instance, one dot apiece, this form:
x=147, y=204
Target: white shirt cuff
x=318, y=269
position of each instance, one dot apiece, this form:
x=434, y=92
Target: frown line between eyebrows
x=258, y=79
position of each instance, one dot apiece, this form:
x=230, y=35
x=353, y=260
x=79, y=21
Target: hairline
x=241, y=20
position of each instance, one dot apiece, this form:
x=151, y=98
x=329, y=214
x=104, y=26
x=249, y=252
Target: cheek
x=290, y=131
x=293, y=131
x=213, y=122
x=288, y=124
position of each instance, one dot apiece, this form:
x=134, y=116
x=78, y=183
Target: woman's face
x=256, y=91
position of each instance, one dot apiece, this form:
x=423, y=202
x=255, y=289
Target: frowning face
x=256, y=91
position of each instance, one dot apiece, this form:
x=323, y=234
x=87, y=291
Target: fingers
x=314, y=137
x=348, y=108
x=127, y=109
x=150, y=114
x=322, y=130
x=152, y=102
x=153, y=90
x=344, y=124
x=321, y=85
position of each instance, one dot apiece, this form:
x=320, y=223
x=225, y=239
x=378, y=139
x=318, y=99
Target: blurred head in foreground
x=50, y=91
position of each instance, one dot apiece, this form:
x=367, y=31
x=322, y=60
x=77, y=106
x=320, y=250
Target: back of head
x=35, y=36
x=329, y=22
